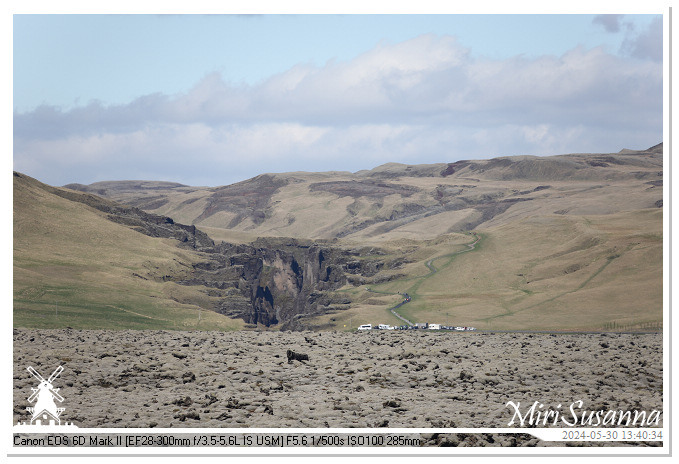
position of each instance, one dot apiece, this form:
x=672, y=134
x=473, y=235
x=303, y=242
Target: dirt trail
x=433, y=271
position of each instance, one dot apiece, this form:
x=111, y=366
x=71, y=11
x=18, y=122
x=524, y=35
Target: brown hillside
x=569, y=242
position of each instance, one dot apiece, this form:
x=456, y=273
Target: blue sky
x=214, y=99
x=69, y=60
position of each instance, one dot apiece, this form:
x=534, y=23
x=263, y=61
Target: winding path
x=433, y=271
x=393, y=311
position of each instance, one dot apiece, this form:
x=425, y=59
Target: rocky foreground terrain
x=140, y=379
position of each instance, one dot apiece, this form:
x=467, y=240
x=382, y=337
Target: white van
x=365, y=327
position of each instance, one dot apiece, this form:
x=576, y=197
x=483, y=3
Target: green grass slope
x=554, y=273
x=571, y=242
x=74, y=268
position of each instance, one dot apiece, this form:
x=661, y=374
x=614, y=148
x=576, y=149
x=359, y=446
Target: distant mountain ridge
x=370, y=203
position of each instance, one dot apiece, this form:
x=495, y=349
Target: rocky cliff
x=281, y=281
x=272, y=281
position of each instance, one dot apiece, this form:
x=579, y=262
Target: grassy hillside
x=73, y=267
x=541, y=273
x=571, y=242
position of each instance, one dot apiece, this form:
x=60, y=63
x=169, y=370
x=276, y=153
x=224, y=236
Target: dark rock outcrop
x=292, y=356
x=280, y=281
x=272, y=281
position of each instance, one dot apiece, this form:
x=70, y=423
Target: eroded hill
x=84, y=261
x=401, y=201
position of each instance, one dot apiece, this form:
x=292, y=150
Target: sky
x=214, y=99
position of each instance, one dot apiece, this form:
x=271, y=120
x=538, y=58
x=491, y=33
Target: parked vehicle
x=365, y=327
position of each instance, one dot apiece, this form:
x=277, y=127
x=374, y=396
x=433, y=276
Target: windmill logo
x=45, y=411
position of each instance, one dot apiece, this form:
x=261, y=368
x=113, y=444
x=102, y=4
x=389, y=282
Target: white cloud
x=423, y=100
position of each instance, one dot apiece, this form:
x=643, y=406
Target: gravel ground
x=139, y=379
